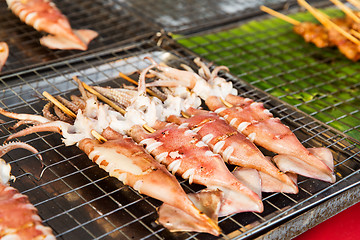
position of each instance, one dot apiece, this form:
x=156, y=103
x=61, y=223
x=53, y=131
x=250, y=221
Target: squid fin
x=324, y=154
x=64, y=43
x=247, y=200
x=288, y=163
x=207, y=201
x=250, y=178
x=271, y=184
x=86, y=35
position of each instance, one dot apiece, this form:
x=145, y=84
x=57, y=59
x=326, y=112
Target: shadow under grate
x=114, y=24
x=266, y=53
x=78, y=199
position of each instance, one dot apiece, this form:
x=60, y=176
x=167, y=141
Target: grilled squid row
x=250, y=119
x=153, y=139
x=134, y=166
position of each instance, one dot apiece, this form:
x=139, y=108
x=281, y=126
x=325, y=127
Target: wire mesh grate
x=266, y=53
x=79, y=200
x=114, y=24
x=185, y=15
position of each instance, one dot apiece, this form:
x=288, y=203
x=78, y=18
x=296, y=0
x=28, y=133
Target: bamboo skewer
x=152, y=93
x=226, y=103
x=71, y=114
x=104, y=99
x=149, y=91
x=98, y=136
x=59, y=105
x=314, y=12
x=279, y=15
x=324, y=19
x=110, y=103
x=342, y=31
x=355, y=33
x=346, y=10
x=356, y=3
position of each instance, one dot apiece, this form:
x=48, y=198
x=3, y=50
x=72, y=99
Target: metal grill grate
x=189, y=15
x=114, y=24
x=80, y=201
x=266, y=53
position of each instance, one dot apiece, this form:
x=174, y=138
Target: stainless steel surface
x=191, y=15
x=80, y=201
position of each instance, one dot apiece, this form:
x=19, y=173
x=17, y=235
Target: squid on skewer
x=340, y=32
x=18, y=217
x=4, y=53
x=253, y=120
x=183, y=152
x=43, y=15
x=222, y=138
x=235, y=148
x=128, y=162
x=122, y=158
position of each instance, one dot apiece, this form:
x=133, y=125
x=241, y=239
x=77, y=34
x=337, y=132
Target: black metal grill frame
x=115, y=24
x=79, y=200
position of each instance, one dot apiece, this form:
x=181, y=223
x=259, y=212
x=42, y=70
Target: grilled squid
x=18, y=217
x=4, y=53
x=129, y=162
x=235, y=148
x=180, y=149
x=251, y=119
x=44, y=16
x=184, y=153
x=122, y=158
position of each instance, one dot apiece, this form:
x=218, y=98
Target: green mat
x=270, y=56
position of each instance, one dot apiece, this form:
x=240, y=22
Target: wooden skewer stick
x=104, y=99
x=342, y=31
x=149, y=91
x=325, y=20
x=112, y=104
x=346, y=10
x=98, y=136
x=314, y=12
x=279, y=15
x=59, y=105
x=71, y=114
x=355, y=33
x=185, y=115
x=356, y=3
x=226, y=103
x=152, y=93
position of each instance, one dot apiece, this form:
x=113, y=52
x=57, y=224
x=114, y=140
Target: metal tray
x=114, y=24
x=78, y=200
x=191, y=15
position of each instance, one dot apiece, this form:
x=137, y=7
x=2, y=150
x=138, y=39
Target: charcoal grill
x=78, y=200
x=266, y=53
x=114, y=24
